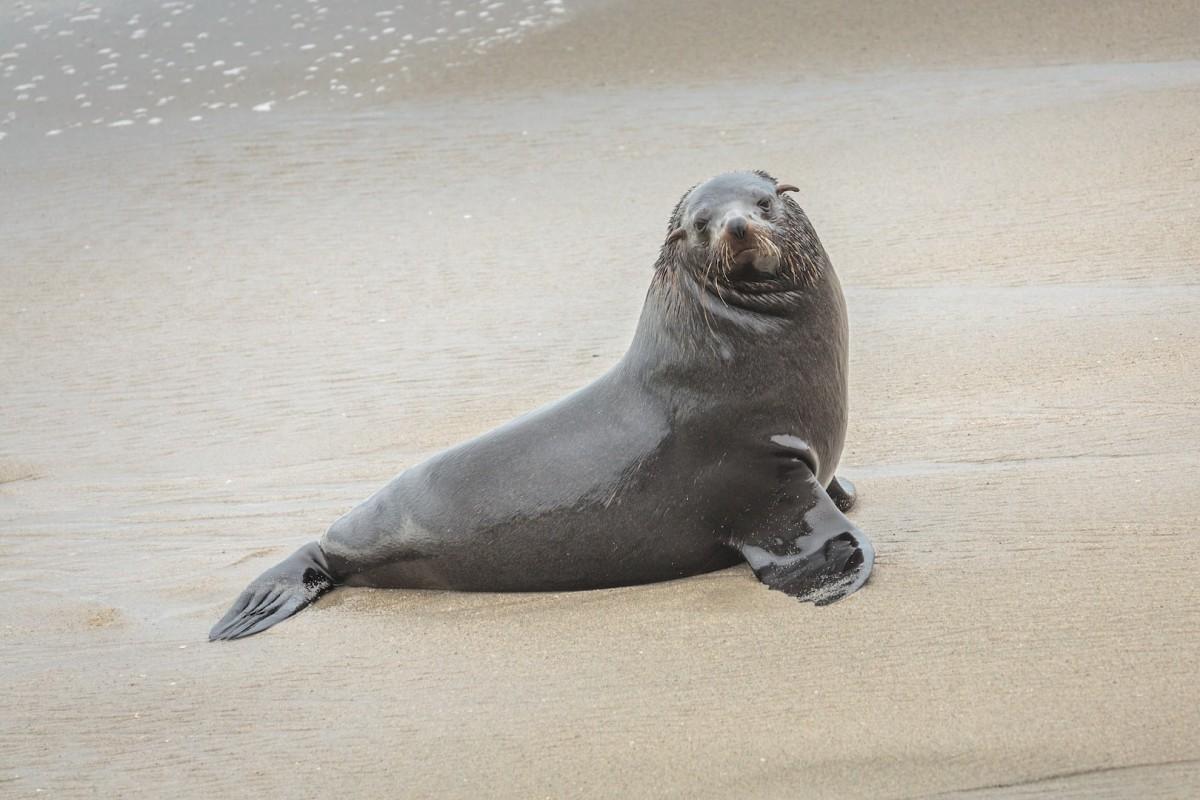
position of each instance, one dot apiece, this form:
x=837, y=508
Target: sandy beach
x=229, y=316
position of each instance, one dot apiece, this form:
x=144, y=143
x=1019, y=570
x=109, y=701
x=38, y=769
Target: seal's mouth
x=757, y=260
x=745, y=256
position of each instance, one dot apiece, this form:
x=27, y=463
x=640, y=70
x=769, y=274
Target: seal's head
x=740, y=231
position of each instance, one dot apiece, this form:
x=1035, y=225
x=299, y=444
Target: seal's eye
x=701, y=224
x=765, y=204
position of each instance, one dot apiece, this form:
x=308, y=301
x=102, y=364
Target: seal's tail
x=277, y=594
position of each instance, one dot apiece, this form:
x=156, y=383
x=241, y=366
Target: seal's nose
x=736, y=227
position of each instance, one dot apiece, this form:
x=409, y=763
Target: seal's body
x=710, y=442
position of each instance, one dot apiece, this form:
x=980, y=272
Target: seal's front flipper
x=803, y=545
x=277, y=594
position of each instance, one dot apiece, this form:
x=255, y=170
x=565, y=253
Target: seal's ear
x=676, y=235
x=786, y=187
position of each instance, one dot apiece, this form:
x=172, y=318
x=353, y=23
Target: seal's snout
x=740, y=234
x=746, y=247
x=737, y=228
x=742, y=240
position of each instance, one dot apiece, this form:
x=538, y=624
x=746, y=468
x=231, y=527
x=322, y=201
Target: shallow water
x=66, y=68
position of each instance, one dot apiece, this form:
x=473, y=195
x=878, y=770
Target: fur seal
x=712, y=441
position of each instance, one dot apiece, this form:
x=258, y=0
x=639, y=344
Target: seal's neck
x=686, y=328
x=751, y=306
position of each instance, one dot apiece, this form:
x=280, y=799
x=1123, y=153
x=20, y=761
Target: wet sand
x=219, y=335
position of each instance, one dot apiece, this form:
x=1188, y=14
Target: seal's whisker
x=717, y=263
x=765, y=242
x=703, y=292
x=726, y=257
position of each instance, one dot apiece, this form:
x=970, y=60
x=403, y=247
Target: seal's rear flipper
x=276, y=594
x=806, y=547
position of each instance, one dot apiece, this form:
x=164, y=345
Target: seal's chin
x=746, y=257
x=752, y=265
x=749, y=274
